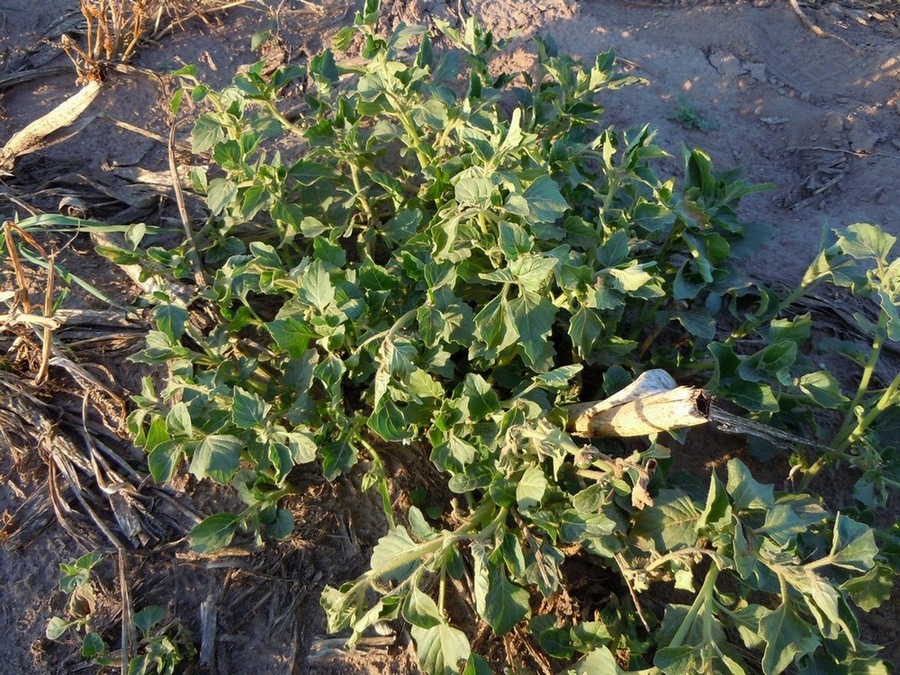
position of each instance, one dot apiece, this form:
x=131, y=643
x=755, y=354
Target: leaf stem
x=848, y=427
x=702, y=598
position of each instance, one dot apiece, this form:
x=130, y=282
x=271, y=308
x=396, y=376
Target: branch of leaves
x=778, y=571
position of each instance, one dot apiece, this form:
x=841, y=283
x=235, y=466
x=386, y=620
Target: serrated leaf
x=481, y=397
x=532, y=271
x=248, y=409
x=338, y=457
x=292, y=335
x=206, y=133
x=171, y=319
x=217, y=456
x=441, y=648
x=213, y=533
x=316, y=287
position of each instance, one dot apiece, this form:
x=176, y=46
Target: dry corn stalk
x=64, y=121
x=654, y=403
x=651, y=404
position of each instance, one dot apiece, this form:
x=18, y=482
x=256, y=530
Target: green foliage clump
x=455, y=256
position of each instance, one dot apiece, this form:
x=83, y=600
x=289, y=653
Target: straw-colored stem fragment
x=663, y=411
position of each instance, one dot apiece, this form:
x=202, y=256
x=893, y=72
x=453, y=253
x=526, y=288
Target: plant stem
x=360, y=193
x=284, y=121
x=702, y=598
x=848, y=426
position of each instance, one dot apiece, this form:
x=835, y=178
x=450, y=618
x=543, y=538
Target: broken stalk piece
x=654, y=403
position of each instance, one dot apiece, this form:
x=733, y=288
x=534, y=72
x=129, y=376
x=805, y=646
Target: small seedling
x=161, y=647
x=690, y=117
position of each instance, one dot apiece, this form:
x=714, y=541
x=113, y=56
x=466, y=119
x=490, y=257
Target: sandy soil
x=818, y=117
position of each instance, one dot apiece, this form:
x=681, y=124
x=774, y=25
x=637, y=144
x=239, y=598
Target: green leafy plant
x=690, y=117
x=161, y=647
x=430, y=253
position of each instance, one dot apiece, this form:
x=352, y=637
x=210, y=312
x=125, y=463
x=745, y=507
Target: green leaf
x=782, y=524
x=476, y=665
x=514, y=240
x=163, y=460
x=601, y=660
x=389, y=422
x=316, y=287
x=745, y=491
x=217, y=456
x=92, y=645
x=391, y=556
x=292, y=335
x=717, y=513
x=577, y=527
x=171, y=319
x=213, y=533
x=480, y=397
x=533, y=316
x=532, y=271
x=497, y=600
x=853, y=545
x=56, y=628
x=531, y=488
x=559, y=378
x=206, y=133
x=545, y=202
x=670, y=523
x=178, y=422
x=148, y=617
x=863, y=241
x=823, y=388
x=221, y=193
x=787, y=637
x=248, y=410
x=474, y=190
x=872, y=588
x=338, y=457
x=768, y=361
x=420, y=610
x=441, y=648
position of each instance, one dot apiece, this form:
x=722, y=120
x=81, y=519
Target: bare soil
x=749, y=82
